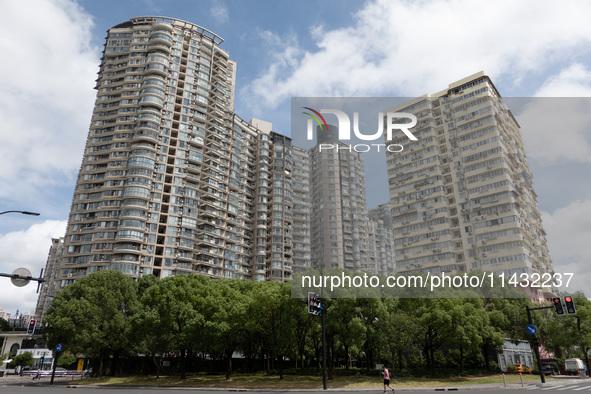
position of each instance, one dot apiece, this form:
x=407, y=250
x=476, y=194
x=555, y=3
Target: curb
x=319, y=390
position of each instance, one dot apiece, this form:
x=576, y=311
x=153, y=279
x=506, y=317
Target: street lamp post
x=22, y=276
x=23, y=212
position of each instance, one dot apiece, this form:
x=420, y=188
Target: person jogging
x=386, y=374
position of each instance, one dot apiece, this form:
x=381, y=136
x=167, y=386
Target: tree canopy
x=108, y=316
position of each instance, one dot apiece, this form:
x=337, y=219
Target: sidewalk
x=27, y=379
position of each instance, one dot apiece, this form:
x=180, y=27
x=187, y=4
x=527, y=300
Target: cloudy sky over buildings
x=381, y=48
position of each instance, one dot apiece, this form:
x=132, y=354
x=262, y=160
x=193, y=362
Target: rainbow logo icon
x=316, y=117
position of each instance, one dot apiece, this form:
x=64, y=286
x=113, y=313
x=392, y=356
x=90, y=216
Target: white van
x=573, y=365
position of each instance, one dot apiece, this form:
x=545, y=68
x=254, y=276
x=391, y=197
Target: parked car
x=521, y=368
x=59, y=371
x=549, y=369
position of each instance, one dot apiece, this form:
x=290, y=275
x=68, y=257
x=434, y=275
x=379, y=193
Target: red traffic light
x=31, y=327
x=558, y=306
x=570, y=305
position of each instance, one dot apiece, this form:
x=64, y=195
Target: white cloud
x=573, y=81
x=569, y=232
x=219, y=11
x=47, y=69
x=26, y=249
x=557, y=129
x=410, y=48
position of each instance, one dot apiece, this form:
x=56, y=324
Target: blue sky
x=379, y=48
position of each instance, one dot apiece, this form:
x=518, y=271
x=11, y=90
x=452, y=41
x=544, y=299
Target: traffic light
x=570, y=305
x=31, y=327
x=558, y=306
x=314, y=304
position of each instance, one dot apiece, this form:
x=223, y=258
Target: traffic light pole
x=57, y=355
x=535, y=339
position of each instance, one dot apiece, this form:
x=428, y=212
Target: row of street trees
x=111, y=317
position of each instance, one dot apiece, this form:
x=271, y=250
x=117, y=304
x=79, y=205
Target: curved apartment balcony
x=152, y=100
x=146, y=135
x=156, y=68
x=137, y=191
x=152, y=90
x=127, y=249
x=161, y=37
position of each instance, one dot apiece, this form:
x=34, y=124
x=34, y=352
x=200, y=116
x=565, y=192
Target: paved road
x=16, y=385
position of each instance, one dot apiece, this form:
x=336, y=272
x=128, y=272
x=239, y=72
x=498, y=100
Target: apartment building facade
x=50, y=284
x=172, y=181
x=461, y=196
x=344, y=235
x=302, y=209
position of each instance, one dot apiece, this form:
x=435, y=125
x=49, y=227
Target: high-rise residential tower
x=462, y=196
x=302, y=209
x=172, y=181
x=343, y=234
x=50, y=286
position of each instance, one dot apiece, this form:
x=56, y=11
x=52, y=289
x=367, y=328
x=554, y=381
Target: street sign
x=23, y=273
x=531, y=329
x=59, y=347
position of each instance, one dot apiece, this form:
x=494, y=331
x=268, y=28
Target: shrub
x=511, y=369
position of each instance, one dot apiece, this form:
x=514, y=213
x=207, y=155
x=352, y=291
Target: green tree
x=66, y=360
x=149, y=334
x=372, y=311
x=226, y=311
x=92, y=316
x=569, y=335
x=175, y=306
x=22, y=360
x=506, y=318
x=467, y=323
x=347, y=325
x=302, y=327
x=270, y=318
x=4, y=326
x=583, y=326
x=398, y=329
x=434, y=325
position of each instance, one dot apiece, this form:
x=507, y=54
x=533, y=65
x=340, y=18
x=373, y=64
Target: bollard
x=521, y=377
x=504, y=381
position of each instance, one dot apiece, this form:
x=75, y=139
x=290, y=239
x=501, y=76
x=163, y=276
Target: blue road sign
x=59, y=347
x=531, y=329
